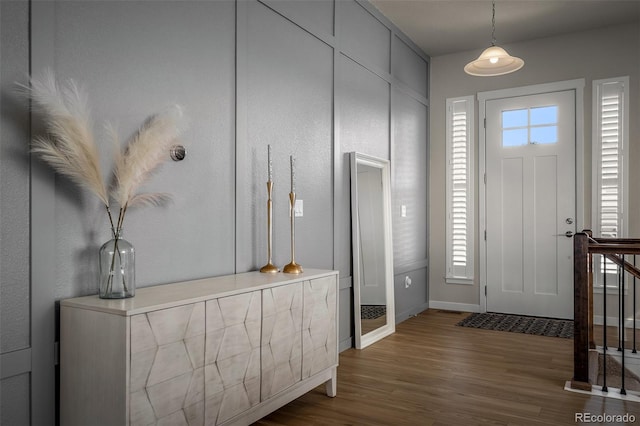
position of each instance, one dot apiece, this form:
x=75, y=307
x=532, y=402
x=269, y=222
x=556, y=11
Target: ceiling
x=440, y=27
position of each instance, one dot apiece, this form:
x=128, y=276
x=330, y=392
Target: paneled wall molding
x=15, y=363
x=396, y=32
x=284, y=82
x=279, y=8
x=355, y=57
x=395, y=85
x=242, y=119
x=340, y=228
x=410, y=267
x=282, y=74
x=43, y=244
x=414, y=66
x=396, y=88
x=15, y=177
x=407, y=90
x=346, y=282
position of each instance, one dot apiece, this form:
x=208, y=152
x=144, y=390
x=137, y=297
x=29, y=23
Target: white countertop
x=180, y=293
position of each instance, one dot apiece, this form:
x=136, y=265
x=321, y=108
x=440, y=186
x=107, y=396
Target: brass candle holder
x=293, y=267
x=269, y=268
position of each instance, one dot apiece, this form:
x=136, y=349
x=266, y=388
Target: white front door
x=530, y=204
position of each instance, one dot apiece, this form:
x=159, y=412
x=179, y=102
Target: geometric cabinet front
x=319, y=328
x=281, y=350
x=167, y=366
x=232, y=356
x=196, y=364
x=184, y=354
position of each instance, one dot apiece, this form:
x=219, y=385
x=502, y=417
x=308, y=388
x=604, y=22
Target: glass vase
x=117, y=269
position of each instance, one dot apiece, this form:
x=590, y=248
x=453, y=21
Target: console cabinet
x=217, y=351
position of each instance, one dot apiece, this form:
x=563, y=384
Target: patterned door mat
x=520, y=324
x=372, y=311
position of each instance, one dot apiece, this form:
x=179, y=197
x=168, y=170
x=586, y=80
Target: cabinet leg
x=332, y=383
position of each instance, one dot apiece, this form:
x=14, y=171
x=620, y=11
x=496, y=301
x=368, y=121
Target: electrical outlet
x=407, y=281
x=299, y=208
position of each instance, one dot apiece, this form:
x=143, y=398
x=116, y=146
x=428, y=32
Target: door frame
x=578, y=86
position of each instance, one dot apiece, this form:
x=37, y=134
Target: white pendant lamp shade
x=494, y=61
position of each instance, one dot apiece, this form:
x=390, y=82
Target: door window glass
x=530, y=126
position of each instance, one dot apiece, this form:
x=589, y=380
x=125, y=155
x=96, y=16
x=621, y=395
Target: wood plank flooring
x=431, y=372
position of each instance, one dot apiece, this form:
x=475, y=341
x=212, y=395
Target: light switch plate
x=299, y=208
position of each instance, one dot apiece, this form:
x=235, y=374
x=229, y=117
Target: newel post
x=580, y=378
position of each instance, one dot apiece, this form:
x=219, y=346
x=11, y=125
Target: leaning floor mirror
x=374, y=313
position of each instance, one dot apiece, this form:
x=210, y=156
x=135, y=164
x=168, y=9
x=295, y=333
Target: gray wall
x=597, y=54
x=313, y=78
x=15, y=335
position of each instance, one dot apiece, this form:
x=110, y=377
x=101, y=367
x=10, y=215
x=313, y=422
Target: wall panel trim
x=15, y=363
x=410, y=267
x=325, y=38
x=387, y=23
x=346, y=282
x=406, y=90
x=43, y=199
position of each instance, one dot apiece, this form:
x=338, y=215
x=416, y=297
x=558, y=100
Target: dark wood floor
x=431, y=372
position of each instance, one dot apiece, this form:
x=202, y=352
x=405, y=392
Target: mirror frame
x=362, y=341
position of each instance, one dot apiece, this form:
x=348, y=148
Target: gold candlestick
x=293, y=267
x=269, y=268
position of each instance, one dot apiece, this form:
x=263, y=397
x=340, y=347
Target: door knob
x=567, y=234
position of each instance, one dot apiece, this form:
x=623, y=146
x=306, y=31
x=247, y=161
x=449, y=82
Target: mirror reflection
x=373, y=305
x=372, y=249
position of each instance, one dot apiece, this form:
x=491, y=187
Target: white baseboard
x=453, y=306
x=345, y=344
x=402, y=316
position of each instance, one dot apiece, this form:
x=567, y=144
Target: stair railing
x=615, y=250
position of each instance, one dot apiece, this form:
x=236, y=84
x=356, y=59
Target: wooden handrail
x=610, y=248
x=616, y=240
x=597, y=248
x=624, y=264
x=584, y=247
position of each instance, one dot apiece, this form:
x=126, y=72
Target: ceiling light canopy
x=493, y=60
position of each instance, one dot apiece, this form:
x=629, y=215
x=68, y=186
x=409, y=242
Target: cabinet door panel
x=232, y=356
x=167, y=365
x=319, y=335
x=281, y=338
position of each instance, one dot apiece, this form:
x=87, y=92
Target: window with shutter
x=459, y=223
x=610, y=156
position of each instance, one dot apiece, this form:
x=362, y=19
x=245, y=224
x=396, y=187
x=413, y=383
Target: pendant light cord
x=493, y=25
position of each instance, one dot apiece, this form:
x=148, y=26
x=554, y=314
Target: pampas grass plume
x=69, y=146
x=147, y=149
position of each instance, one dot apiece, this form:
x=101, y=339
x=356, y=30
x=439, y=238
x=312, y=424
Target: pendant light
x=494, y=60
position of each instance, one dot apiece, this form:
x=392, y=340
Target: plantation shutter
x=459, y=189
x=609, y=150
x=610, y=133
